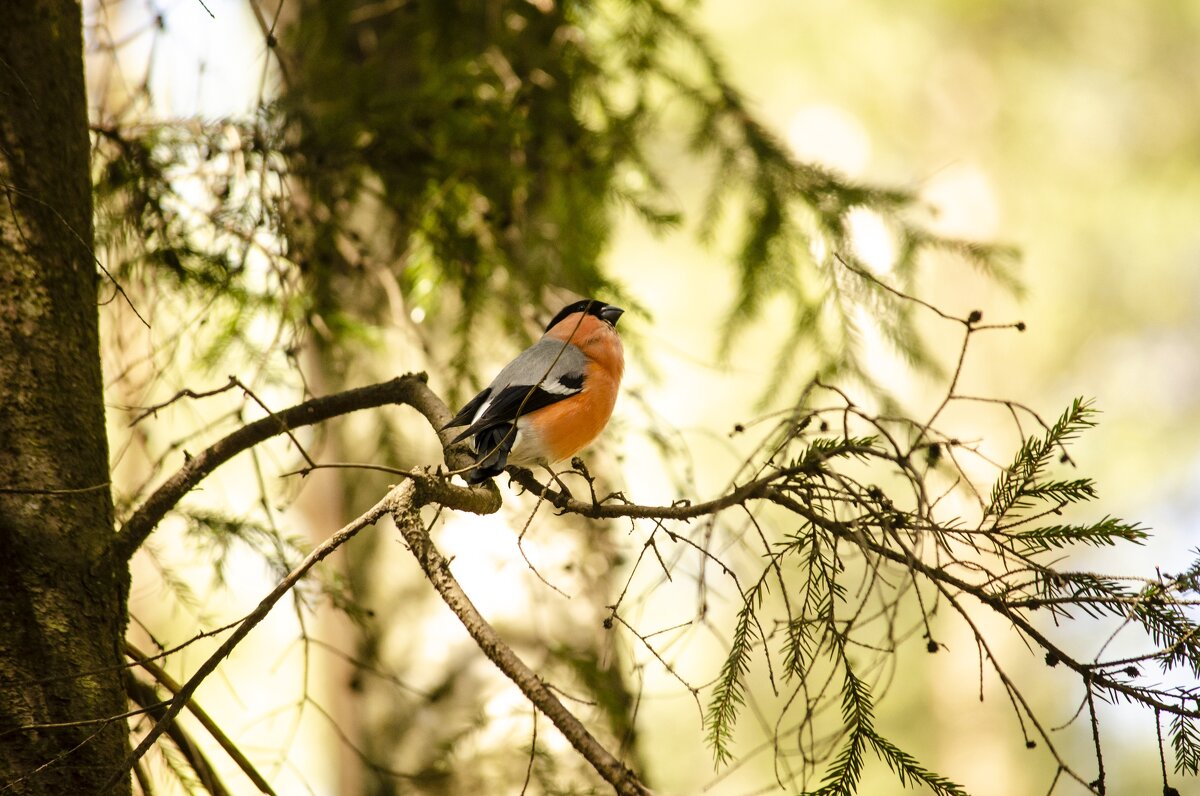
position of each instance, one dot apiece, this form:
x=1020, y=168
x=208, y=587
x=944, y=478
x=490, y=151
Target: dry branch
x=406, y=513
x=409, y=389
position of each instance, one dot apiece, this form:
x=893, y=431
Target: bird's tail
x=492, y=447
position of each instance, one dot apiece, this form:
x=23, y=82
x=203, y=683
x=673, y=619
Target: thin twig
x=532, y=754
x=1099, y=784
x=197, y=761
x=260, y=612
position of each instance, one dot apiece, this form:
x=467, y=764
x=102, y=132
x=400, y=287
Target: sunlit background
x=1069, y=130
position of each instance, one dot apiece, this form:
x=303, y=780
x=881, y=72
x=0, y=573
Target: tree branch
x=789, y=487
x=406, y=513
x=185, y=692
x=400, y=502
x=764, y=488
x=168, y=682
x=410, y=389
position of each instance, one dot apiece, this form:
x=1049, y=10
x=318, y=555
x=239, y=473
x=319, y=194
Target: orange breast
x=567, y=427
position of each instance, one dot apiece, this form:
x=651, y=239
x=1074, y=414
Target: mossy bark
x=62, y=598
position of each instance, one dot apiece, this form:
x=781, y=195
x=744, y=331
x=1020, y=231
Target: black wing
x=467, y=413
x=495, y=431
x=517, y=400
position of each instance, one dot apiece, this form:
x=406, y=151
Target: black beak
x=611, y=314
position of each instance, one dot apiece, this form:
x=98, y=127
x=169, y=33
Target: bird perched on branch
x=553, y=399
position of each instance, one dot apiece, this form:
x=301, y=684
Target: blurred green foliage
x=475, y=157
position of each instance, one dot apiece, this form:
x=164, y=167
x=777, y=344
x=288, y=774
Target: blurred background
x=1069, y=132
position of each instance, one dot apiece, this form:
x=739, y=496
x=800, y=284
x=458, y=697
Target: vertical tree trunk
x=62, y=600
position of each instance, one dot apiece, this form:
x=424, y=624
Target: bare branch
x=168, y=682
x=144, y=694
x=406, y=513
x=410, y=389
x=260, y=612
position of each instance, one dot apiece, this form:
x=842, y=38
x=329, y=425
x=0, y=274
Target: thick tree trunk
x=62, y=600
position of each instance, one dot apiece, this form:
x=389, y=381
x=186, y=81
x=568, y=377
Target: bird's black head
x=605, y=312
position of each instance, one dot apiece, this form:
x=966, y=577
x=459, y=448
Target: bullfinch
x=553, y=399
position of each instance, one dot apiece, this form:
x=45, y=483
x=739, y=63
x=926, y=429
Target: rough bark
x=62, y=600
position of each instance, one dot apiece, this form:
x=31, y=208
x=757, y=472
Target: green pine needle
x=1185, y=741
x=1018, y=487
x=1107, y=531
x=729, y=693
